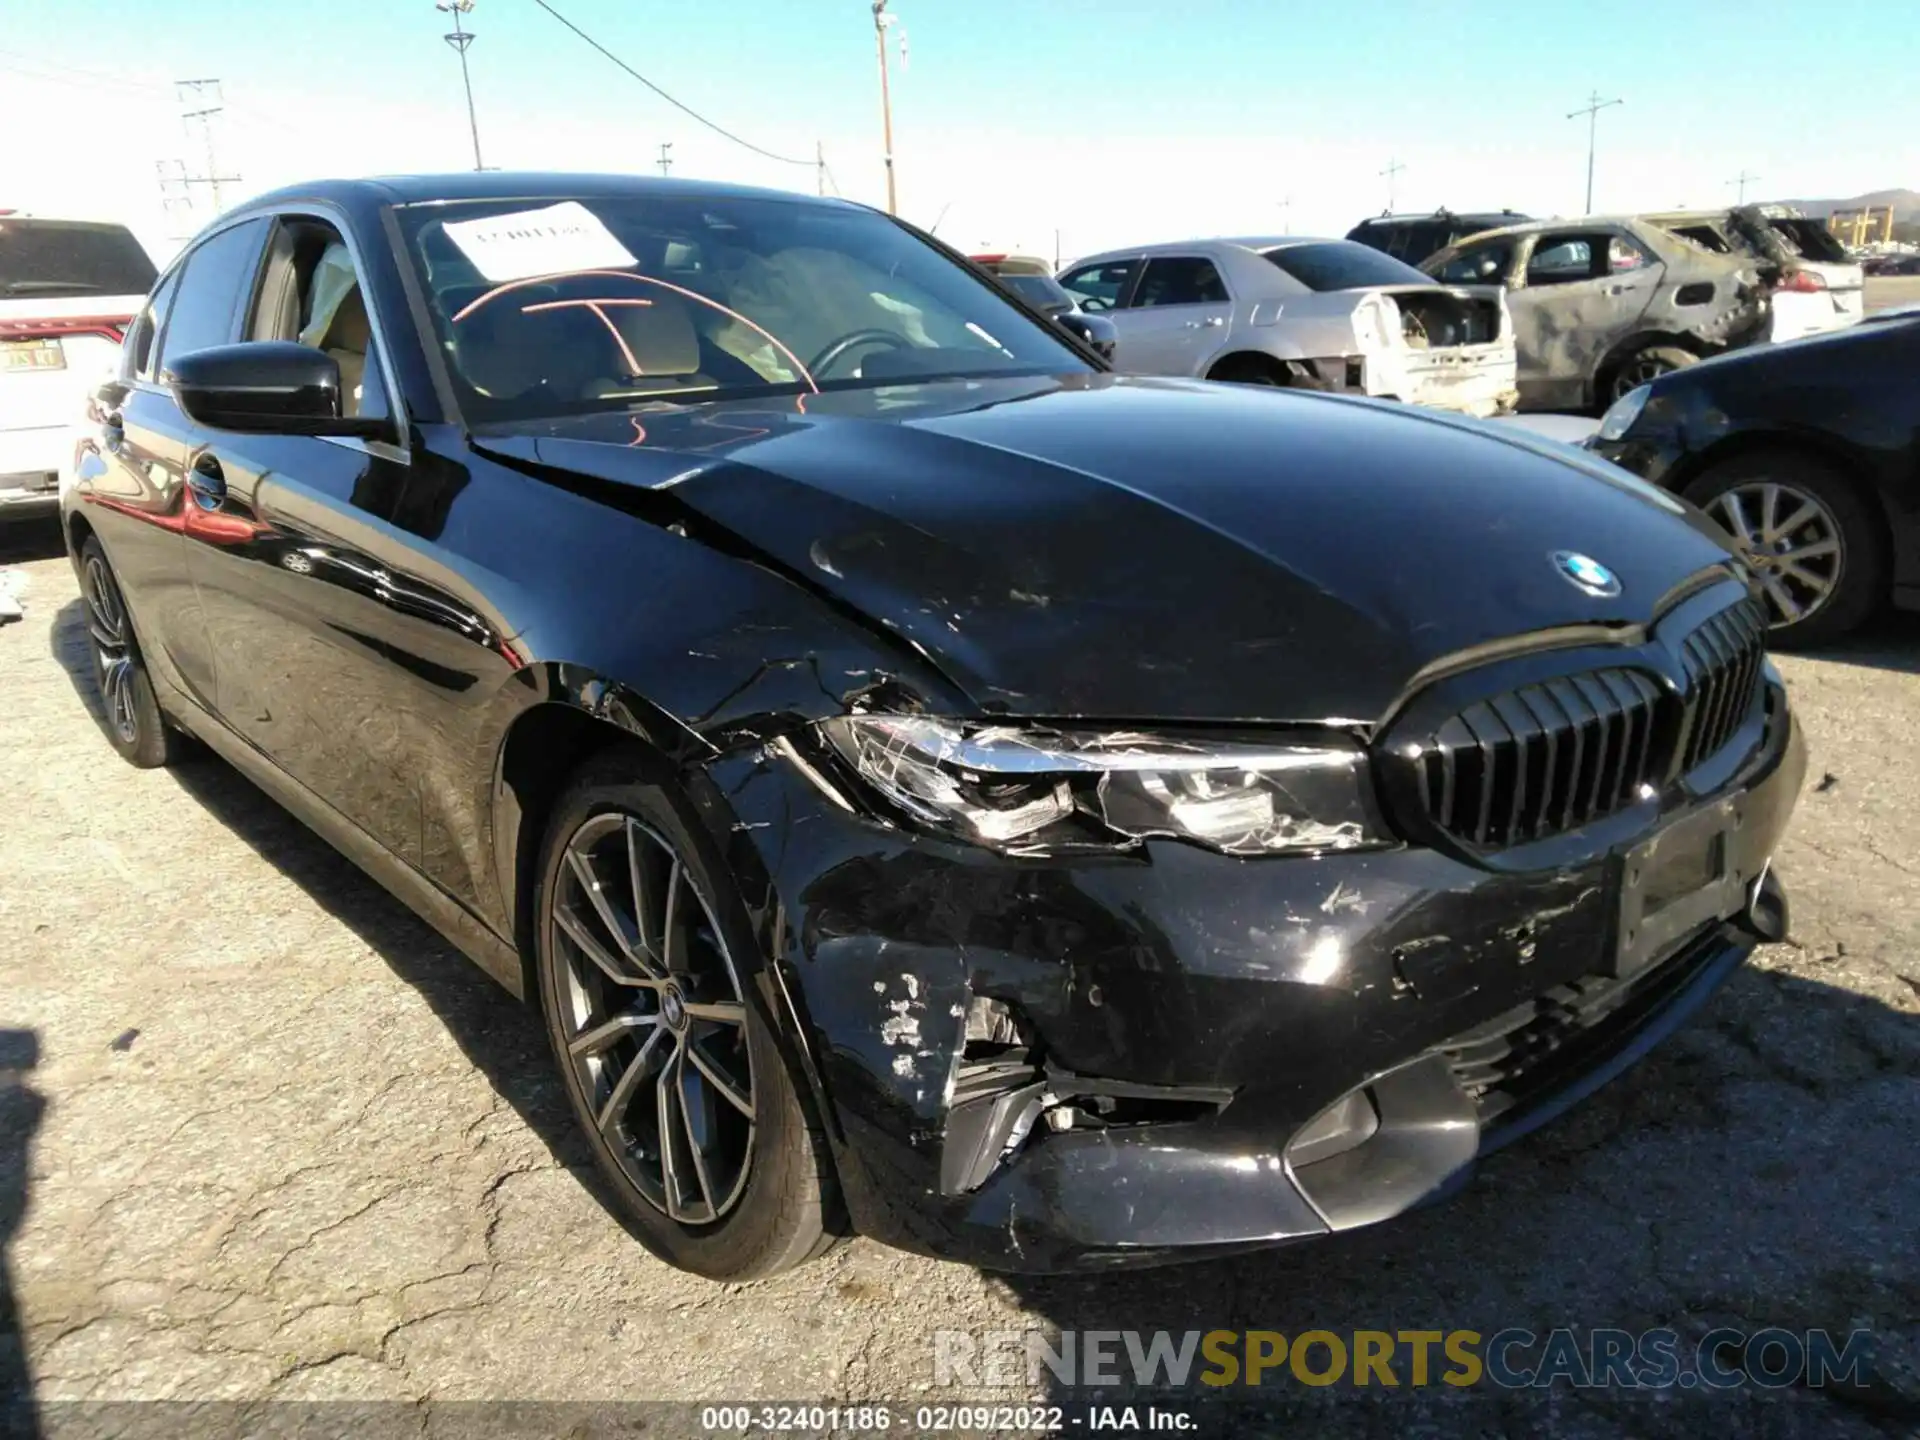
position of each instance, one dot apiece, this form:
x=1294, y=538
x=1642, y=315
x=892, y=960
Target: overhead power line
x=678, y=105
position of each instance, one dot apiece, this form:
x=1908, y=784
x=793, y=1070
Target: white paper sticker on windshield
x=552, y=241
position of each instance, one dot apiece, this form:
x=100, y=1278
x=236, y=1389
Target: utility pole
x=460, y=39
x=1392, y=172
x=880, y=22
x=1056, y=251
x=1741, y=180
x=1592, y=110
x=666, y=161
x=820, y=166
x=1286, y=215
x=202, y=101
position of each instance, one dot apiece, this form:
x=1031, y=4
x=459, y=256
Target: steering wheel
x=818, y=365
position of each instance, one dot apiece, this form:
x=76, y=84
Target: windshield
x=1343, y=265
x=52, y=259
x=545, y=307
x=1042, y=291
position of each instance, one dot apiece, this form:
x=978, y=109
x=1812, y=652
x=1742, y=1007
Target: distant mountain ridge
x=1905, y=203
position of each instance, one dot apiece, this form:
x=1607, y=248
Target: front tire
x=646, y=966
x=1809, y=536
x=134, y=725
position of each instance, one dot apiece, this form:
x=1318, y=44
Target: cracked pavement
x=278, y=1140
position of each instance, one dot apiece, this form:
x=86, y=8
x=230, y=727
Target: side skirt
x=459, y=925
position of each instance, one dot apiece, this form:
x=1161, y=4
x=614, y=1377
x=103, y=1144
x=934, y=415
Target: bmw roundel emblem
x=1583, y=572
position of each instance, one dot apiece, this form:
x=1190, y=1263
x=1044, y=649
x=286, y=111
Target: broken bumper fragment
x=1063, y=1061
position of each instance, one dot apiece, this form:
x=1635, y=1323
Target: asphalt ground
x=266, y=1137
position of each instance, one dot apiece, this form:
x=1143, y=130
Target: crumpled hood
x=1127, y=549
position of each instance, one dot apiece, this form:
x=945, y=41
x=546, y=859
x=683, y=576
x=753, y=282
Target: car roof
x=1442, y=216
x=16, y=218
x=515, y=185
x=1178, y=247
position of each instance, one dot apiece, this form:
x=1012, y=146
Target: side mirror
x=265, y=386
x=1096, y=332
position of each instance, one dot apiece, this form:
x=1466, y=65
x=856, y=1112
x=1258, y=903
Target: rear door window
x=1102, y=286
x=1184, y=280
x=61, y=259
x=1624, y=254
x=215, y=284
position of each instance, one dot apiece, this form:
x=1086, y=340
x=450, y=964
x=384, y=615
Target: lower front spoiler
x=1127, y=1198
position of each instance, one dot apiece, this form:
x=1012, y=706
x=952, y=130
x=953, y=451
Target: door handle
x=1212, y=322
x=207, y=481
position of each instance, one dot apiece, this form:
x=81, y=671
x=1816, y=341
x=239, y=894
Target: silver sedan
x=1318, y=314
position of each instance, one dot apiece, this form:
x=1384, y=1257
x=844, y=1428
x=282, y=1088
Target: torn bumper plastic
x=1054, y=1063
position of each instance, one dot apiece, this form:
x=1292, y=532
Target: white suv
x=68, y=291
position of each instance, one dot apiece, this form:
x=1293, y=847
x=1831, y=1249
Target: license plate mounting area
x=1685, y=877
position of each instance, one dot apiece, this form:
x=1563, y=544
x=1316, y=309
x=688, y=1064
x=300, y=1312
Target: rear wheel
x=135, y=727
x=1808, y=535
x=1643, y=367
x=1249, y=370
x=676, y=1078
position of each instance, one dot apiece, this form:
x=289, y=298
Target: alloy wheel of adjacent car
x=135, y=727
x=1791, y=540
x=1643, y=367
x=646, y=963
x=1806, y=535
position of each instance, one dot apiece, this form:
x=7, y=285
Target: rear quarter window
x=61, y=259
x=1342, y=265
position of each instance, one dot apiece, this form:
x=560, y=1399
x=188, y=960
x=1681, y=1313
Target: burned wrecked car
x=1601, y=306
x=1813, y=284
x=923, y=783
x=1309, y=314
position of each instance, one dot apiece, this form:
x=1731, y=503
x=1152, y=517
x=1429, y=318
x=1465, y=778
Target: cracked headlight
x=1020, y=788
x=1622, y=413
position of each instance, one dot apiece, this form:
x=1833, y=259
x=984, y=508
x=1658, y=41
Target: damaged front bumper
x=1046, y=1064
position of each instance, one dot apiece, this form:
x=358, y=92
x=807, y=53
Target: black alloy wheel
x=683, y=1092
x=1645, y=366
x=134, y=725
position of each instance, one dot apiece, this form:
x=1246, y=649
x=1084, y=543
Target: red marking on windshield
x=692, y=295
x=565, y=304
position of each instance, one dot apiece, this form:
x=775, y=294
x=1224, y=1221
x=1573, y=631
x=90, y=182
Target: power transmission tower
x=1742, y=180
x=460, y=38
x=1592, y=110
x=881, y=20
x=1392, y=174
x=666, y=161
x=176, y=198
x=200, y=102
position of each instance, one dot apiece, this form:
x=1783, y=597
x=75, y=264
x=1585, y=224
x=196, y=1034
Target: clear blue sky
x=1111, y=120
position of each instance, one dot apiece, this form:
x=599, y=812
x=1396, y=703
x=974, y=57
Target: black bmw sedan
x=925, y=785
x=1808, y=455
